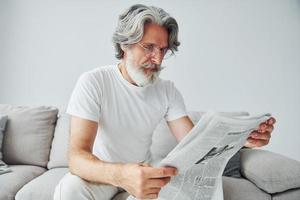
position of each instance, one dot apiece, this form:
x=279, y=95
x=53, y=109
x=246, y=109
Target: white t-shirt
x=127, y=115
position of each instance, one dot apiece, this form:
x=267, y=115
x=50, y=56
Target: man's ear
x=124, y=49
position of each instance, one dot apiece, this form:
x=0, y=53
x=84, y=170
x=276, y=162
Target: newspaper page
x=202, y=155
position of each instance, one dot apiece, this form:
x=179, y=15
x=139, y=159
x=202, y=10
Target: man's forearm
x=89, y=167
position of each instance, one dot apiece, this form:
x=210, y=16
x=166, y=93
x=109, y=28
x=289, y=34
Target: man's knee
x=71, y=187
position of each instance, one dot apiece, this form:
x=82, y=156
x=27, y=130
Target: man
x=115, y=109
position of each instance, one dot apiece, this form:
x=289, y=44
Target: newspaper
x=202, y=155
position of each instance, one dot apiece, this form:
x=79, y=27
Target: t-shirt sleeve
x=85, y=101
x=176, y=108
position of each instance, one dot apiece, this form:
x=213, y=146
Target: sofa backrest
x=60, y=144
x=28, y=134
x=39, y=136
x=163, y=140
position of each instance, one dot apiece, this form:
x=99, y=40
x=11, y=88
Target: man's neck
x=124, y=73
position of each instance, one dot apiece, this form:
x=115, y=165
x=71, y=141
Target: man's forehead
x=155, y=34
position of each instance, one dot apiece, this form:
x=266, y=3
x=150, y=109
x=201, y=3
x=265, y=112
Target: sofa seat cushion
x=28, y=134
x=43, y=186
x=239, y=188
x=13, y=181
x=257, y=166
x=293, y=194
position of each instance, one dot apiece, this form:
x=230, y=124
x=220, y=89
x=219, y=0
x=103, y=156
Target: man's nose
x=156, y=58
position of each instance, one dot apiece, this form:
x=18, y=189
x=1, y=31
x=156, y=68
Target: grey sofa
x=35, y=147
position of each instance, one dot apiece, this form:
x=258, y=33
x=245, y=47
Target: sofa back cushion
x=270, y=171
x=60, y=143
x=28, y=134
x=163, y=140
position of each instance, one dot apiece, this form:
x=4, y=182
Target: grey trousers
x=72, y=187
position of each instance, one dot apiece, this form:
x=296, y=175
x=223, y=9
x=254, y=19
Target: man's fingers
x=256, y=143
x=265, y=127
x=145, y=164
x=160, y=172
x=262, y=127
x=271, y=121
x=270, y=128
x=152, y=191
x=150, y=196
x=260, y=136
x=158, y=182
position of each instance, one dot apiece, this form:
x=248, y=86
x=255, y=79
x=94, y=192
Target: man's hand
x=261, y=137
x=143, y=181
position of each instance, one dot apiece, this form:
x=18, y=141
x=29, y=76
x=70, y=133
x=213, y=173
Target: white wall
x=235, y=55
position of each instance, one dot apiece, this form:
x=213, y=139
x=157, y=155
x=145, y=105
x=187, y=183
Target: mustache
x=156, y=67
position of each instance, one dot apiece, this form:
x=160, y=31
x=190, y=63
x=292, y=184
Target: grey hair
x=130, y=28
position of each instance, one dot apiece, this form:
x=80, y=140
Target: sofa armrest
x=270, y=171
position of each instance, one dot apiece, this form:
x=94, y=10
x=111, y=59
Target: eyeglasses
x=150, y=49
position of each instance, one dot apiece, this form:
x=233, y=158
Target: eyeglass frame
x=148, y=50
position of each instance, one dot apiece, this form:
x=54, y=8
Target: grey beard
x=138, y=76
